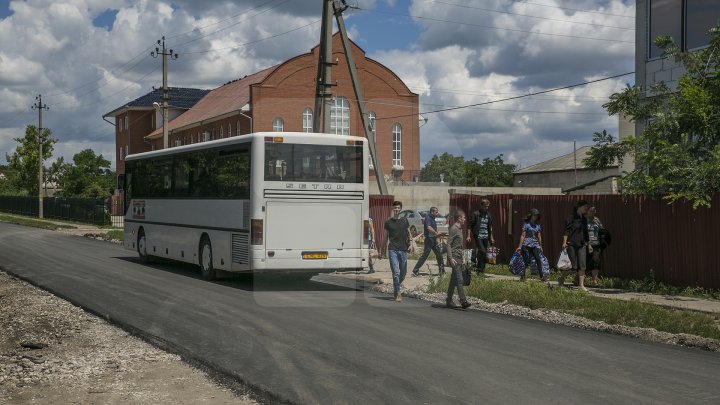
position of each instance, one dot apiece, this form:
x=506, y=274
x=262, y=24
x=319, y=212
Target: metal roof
x=227, y=98
x=180, y=97
x=561, y=163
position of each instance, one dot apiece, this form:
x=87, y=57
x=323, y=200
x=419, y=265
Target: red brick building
x=282, y=98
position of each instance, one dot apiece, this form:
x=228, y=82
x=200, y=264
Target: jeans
x=398, y=267
x=430, y=245
x=456, y=281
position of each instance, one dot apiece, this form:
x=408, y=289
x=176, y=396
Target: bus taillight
x=256, y=231
x=365, y=231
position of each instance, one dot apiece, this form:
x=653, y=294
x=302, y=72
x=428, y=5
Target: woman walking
x=531, y=242
x=594, y=227
x=455, y=259
x=575, y=242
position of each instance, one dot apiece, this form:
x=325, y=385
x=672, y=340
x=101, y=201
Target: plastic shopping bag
x=517, y=264
x=492, y=253
x=564, y=261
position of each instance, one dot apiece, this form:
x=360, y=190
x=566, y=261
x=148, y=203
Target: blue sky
x=88, y=56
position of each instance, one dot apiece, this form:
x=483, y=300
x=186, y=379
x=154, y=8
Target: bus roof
x=246, y=138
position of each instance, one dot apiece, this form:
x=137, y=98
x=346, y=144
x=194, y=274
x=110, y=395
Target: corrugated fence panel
x=677, y=242
x=380, y=211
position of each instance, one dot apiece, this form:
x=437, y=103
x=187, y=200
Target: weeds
x=618, y=312
x=37, y=223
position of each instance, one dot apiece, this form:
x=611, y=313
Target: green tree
x=677, y=156
x=488, y=173
x=88, y=176
x=471, y=173
x=24, y=164
x=450, y=167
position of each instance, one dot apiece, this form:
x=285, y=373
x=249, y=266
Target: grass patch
x=117, y=234
x=37, y=223
x=646, y=285
x=617, y=312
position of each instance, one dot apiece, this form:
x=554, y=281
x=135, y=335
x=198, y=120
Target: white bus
x=276, y=201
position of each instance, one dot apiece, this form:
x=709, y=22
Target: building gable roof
x=231, y=96
x=561, y=163
x=180, y=97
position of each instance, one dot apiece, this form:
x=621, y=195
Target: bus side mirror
x=121, y=182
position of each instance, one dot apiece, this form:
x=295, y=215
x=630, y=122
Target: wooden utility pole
x=369, y=133
x=166, y=96
x=41, y=189
x=323, y=85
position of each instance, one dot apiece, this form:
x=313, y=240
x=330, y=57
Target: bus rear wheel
x=206, y=259
x=142, y=247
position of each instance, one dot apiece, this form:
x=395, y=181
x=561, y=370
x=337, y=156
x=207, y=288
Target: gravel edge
x=559, y=318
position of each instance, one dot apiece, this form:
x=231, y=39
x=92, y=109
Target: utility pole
x=323, y=85
x=40, y=107
x=369, y=133
x=166, y=97
x=575, y=160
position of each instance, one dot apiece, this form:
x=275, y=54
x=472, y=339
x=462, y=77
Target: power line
x=496, y=28
x=530, y=16
x=220, y=21
x=510, y=98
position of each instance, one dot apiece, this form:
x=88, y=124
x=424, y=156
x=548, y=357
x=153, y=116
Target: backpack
x=605, y=238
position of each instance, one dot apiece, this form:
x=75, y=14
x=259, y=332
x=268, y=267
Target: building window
x=229, y=130
x=127, y=121
x=178, y=142
x=700, y=17
x=396, y=145
x=278, y=125
x=120, y=153
x=307, y=120
x=221, y=132
x=238, y=128
x=126, y=149
x=120, y=123
x=340, y=116
x=665, y=19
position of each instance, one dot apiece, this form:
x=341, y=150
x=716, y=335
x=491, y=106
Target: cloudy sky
x=88, y=57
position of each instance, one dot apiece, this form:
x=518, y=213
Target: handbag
x=564, y=262
x=517, y=264
x=544, y=266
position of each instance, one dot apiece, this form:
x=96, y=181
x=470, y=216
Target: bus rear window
x=319, y=163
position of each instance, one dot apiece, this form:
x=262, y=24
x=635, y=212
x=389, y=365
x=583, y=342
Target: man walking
x=480, y=229
x=431, y=233
x=397, y=232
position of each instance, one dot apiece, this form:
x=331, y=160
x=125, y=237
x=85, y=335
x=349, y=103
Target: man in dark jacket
x=480, y=230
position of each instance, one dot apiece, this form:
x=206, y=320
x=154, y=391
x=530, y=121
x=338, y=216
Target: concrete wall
x=561, y=179
x=424, y=197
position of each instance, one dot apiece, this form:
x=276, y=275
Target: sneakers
x=465, y=305
x=398, y=297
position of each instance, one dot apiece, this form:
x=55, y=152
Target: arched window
x=229, y=130
x=397, y=145
x=340, y=116
x=237, y=128
x=221, y=132
x=278, y=124
x=307, y=120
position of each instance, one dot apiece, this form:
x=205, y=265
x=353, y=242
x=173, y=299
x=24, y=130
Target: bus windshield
x=323, y=163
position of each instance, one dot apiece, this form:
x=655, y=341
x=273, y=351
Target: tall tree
x=24, y=163
x=88, y=176
x=471, y=173
x=677, y=156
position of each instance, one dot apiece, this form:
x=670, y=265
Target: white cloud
x=51, y=47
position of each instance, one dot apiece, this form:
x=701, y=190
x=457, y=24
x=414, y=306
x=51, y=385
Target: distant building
x=139, y=118
x=282, y=98
x=569, y=173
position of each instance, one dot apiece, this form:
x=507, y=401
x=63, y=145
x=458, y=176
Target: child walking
x=531, y=242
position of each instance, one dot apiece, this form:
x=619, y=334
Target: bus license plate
x=314, y=255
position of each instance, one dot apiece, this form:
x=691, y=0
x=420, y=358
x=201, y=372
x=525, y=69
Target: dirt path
x=52, y=352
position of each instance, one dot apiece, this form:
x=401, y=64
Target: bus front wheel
x=142, y=247
x=206, y=259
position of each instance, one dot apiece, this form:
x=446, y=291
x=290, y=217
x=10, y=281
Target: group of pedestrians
x=582, y=240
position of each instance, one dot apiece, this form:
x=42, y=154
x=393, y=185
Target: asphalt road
x=314, y=342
